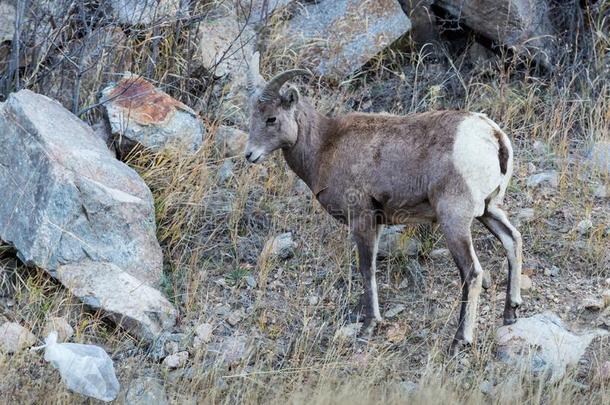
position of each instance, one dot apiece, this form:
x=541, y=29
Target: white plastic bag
x=85, y=369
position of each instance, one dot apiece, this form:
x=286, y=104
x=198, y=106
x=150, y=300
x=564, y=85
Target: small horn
x=254, y=79
x=272, y=89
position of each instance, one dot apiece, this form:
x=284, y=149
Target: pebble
x=593, y=304
x=526, y=283
x=251, y=281
x=176, y=360
x=313, y=300
x=552, y=272
x=486, y=387
x=584, y=227
x=525, y=215
x=14, y=337
x=146, y=390
x=603, y=372
x=281, y=246
x=395, y=310
x=203, y=333
x=348, y=331
x=235, y=317
x=602, y=191
x=543, y=179
x=606, y=298
x=61, y=326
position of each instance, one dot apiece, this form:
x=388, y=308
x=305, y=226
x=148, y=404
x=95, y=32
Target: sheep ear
x=290, y=97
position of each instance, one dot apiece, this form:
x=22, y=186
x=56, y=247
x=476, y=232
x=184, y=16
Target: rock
x=280, y=247
x=606, y=298
x=522, y=25
x=261, y=10
x=313, y=300
x=14, y=337
x=235, y=317
x=602, y=191
x=542, y=344
x=70, y=208
x=141, y=114
x=146, y=390
x=584, y=227
x=392, y=243
x=593, y=304
x=230, y=141
x=61, y=326
x=7, y=21
x=486, y=387
x=526, y=215
x=328, y=36
x=226, y=171
x=526, y=283
x=125, y=299
x=231, y=350
x=409, y=387
x=203, y=334
x=176, y=360
x=251, y=281
x=440, y=253
x=550, y=179
x=552, y=272
x=486, y=282
x=395, y=310
x=225, y=46
x=599, y=157
x=396, y=332
x=348, y=331
x=143, y=12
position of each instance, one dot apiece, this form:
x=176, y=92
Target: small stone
x=440, y=253
x=602, y=191
x=552, y=272
x=486, y=282
x=61, y=326
x=525, y=215
x=281, y=246
x=607, y=281
x=526, y=283
x=593, y=304
x=235, y=317
x=550, y=179
x=584, y=227
x=393, y=243
x=171, y=347
x=606, y=298
x=348, y=331
x=204, y=332
x=314, y=300
x=486, y=387
x=251, y=281
x=404, y=283
x=231, y=350
x=397, y=332
x=226, y=171
x=395, y=310
x=599, y=156
x=14, y=337
x=146, y=390
x=176, y=360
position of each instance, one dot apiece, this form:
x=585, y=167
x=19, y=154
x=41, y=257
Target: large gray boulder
x=139, y=113
x=523, y=25
x=7, y=21
x=66, y=201
x=542, y=345
x=329, y=37
x=144, y=12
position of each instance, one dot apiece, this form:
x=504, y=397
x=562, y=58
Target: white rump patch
x=475, y=155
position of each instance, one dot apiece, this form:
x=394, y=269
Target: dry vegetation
x=212, y=234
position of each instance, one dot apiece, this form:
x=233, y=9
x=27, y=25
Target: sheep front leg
x=366, y=236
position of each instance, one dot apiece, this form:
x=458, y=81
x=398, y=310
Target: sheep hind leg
x=496, y=221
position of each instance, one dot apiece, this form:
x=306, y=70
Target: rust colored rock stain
x=143, y=103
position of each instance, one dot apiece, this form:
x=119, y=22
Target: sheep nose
x=248, y=154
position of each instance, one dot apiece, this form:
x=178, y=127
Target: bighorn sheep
x=369, y=170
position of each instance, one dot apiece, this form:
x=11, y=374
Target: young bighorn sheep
x=369, y=170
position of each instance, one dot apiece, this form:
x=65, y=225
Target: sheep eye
x=271, y=121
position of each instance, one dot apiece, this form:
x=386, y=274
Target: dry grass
x=212, y=234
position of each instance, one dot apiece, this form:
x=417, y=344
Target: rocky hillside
x=130, y=220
